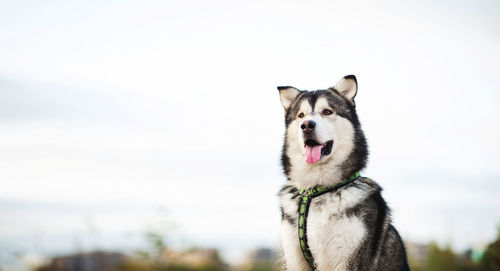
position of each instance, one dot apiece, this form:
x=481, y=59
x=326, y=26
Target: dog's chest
x=333, y=233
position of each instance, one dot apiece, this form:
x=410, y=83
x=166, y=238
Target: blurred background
x=146, y=135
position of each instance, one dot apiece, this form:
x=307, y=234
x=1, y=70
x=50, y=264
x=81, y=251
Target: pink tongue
x=313, y=154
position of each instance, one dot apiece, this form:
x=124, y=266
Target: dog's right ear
x=288, y=95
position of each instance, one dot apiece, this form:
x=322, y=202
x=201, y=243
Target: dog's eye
x=327, y=112
x=301, y=115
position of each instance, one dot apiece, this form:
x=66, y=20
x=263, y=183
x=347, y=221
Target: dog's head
x=323, y=133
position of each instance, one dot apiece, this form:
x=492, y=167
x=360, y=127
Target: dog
x=348, y=228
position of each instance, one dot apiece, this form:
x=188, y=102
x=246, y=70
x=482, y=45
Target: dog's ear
x=288, y=95
x=348, y=87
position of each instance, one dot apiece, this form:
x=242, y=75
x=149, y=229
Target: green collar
x=307, y=196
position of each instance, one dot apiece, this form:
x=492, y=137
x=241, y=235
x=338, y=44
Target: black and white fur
x=349, y=229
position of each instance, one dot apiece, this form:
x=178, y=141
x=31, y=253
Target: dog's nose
x=308, y=126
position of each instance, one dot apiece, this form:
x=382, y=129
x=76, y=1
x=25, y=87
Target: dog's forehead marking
x=322, y=103
x=305, y=106
x=307, y=101
x=316, y=101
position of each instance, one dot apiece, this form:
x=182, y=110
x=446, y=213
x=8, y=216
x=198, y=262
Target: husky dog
x=348, y=228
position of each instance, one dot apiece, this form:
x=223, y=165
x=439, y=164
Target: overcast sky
x=116, y=117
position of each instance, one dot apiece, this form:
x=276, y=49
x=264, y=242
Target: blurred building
x=417, y=253
x=92, y=261
x=195, y=258
x=260, y=259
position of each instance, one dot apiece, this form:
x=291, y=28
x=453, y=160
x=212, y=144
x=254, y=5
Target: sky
x=122, y=117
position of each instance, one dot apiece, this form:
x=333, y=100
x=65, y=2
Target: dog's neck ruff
x=305, y=202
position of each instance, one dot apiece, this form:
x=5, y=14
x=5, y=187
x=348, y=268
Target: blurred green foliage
x=134, y=265
x=445, y=259
x=262, y=267
x=158, y=257
x=441, y=259
x=153, y=258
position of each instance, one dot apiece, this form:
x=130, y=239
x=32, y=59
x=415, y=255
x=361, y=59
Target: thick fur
x=349, y=229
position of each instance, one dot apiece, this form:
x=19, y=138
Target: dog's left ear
x=348, y=87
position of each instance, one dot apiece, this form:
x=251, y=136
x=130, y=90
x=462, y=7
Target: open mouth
x=315, y=150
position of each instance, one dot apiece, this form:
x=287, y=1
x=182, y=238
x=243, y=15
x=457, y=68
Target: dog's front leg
x=293, y=260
